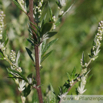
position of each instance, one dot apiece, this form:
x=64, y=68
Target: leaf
x=34, y=26
x=18, y=5
x=30, y=75
x=69, y=76
x=34, y=30
x=83, y=60
x=51, y=14
x=27, y=5
x=1, y=58
x=51, y=97
x=92, y=52
x=16, y=72
x=46, y=55
x=30, y=41
x=88, y=79
x=5, y=33
x=37, y=33
x=27, y=90
x=6, y=42
x=50, y=34
x=30, y=54
x=35, y=97
x=46, y=28
x=47, y=46
x=1, y=53
x=74, y=73
x=14, y=77
x=58, y=3
x=58, y=22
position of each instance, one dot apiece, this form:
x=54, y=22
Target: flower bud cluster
x=97, y=40
x=2, y=46
x=62, y=2
x=54, y=20
x=71, y=82
x=23, y=99
x=81, y=89
x=13, y=56
x=63, y=96
x=1, y=23
x=22, y=4
x=61, y=12
x=37, y=9
x=22, y=84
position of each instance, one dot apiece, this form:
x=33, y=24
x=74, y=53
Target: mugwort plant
x=40, y=30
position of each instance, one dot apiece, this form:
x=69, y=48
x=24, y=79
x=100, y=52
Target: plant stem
x=30, y=15
x=36, y=47
x=38, y=74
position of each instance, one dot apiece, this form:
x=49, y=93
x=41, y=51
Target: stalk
x=36, y=49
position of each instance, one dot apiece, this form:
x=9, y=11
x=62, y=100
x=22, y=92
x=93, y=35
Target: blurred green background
x=75, y=35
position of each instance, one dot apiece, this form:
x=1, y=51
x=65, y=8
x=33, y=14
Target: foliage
x=43, y=34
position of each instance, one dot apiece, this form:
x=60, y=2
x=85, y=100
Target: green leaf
x=30, y=41
x=5, y=33
x=74, y=72
x=47, y=46
x=6, y=42
x=92, y=52
x=88, y=79
x=50, y=34
x=1, y=58
x=16, y=72
x=50, y=10
x=51, y=97
x=83, y=60
x=27, y=90
x=34, y=26
x=27, y=5
x=58, y=3
x=17, y=5
x=30, y=54
x=46, y=55
x=14, y=77
x=46, y=28
x=33, y=30
x=69, y=76
x=1, y=53
x=58, y=22
x=30, y=75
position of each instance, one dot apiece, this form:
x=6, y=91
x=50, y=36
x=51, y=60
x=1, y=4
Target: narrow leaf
x=30, y=54
x=50, y=34
x=51, y=14
x=51, y=97
x=17, y=5
x=30, y=41
x=6, y=42
x=1, y=53
x=27, y=5
x=34, y=26
x=1, y=58
x=74, y=73
x=27, y=91
x=14, y=71
x=46, y=55
x=46, y=28
x=83, y=60
x=47, y=46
